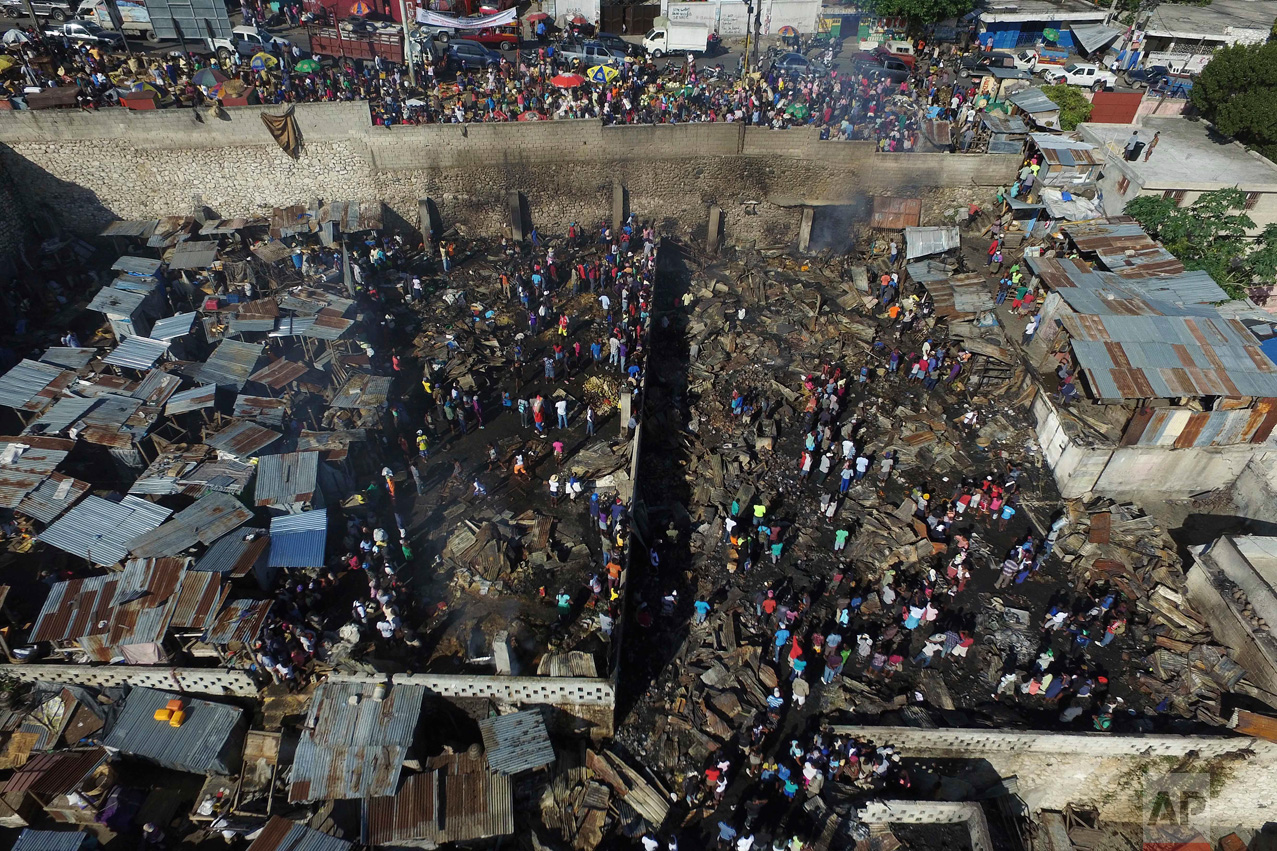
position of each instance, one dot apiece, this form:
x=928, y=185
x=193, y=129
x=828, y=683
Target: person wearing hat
x=423, y=445
x=554, y=489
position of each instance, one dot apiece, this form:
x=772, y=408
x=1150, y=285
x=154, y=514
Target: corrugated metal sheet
x=280, y=373
x=110, y=423
x=329, y=324
x=117, y=303
x=517, y=742
x=155, y=389
x=61, y=415
x=298, y=540
x=333, y=445
x=232, y=362
x=354, y=751
x=261, y=409
x=280, y=834
x=896, y=213
x=163, y=474
x=243, y=439
x=288, y=326
x=137, y=353
x=193, y=254
x=250, y=324
x=55, y=773
x=33, y=386
x=68, y=358
x=1181, y=428
x=204, y=744
x=365, y=391
x=76, y=608
x=173, y=327
x=146, y=266
x=240, y=622
x=456, y=800
x=198, y=601
x=194, y=399
x=921, y=242
x=287, y=478
x=25, y=462
x=233, y=554
x=144, y=601
x=224, y=475
x=52, y=497
x=100, y=531
x=136, y=228
x=1011, y=125
x=204, y=521
x=1033, y=101
x=53, y=840
x=1115, y=107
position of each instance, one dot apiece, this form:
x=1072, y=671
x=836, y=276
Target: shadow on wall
x=22, y=210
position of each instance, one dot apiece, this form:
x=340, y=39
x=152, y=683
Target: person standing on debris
x=702, y=608
x=1032, y=328
x=780, y=640
x=840, y=539
x=561, y=408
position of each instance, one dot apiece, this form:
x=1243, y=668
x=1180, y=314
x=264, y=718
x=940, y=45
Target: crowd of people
x=843, y=104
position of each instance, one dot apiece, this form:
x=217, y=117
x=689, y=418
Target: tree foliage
x=921, y=12
x=1074, y=107
x=1211, y=235
x=1237, y=92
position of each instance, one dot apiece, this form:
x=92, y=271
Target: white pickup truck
x=1091, y=77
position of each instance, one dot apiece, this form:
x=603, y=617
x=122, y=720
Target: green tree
x=1237, y=92
x=921, y=12
x=1211, y=236
x=1074, y=107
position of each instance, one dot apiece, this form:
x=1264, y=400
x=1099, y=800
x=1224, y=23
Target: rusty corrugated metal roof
x=516, y=742
x=280, y=834
x=55, y=773
x=243, y=439
x=280, y=373
x=204, y=521
x=240, y=622
x=34, y=386
x=362, y=391
x=199, y=600
x=457, y=799
x=896, y=213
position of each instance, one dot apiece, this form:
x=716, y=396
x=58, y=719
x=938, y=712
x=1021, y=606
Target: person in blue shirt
x=702, y=610
x=782, y=639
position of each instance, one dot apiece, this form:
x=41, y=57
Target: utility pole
x=407, y=43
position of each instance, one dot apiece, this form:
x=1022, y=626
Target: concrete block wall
x=195, y=680
x=931, y=812
x=975, y=743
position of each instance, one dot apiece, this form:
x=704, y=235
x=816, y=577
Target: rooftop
x=1000, y=11
x=1220, y=17
x=1188, y=156
x=204, y=743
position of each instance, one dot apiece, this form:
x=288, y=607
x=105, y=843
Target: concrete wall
x=1217, y=571
x=1125, y=472
x=94, y=167
x=195, y=680
x=931, y=812
x=1114, y=773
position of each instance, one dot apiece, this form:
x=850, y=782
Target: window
x=1123, y=185
x=1176, y=195
x=1252, y=198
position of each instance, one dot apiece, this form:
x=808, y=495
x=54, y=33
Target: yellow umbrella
x=602, y=74
x=7, y=62
x=263, y=62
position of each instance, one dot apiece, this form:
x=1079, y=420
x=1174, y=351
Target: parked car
x=247, y=41
x=466, y=55
x=87, y=32
x=498, y=38
x=977, y=65
x=796, y=63
x=615, y=42
x=881, y=66
x=1081, y=74
x=1143, y=78
x=590, y=52
x=53, y=10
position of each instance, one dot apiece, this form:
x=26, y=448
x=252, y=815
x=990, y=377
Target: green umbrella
x=799, y=111
x=307, y=66
x=1051, y=34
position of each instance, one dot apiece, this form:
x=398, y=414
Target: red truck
x=331, y=41
x=498, y=38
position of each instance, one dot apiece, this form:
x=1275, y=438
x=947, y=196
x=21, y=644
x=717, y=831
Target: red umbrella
x=530, y=116
x=578, y=20
x=567, y=81
x=537, y=16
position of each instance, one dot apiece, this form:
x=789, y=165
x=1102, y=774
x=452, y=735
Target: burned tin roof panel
x=328, y=324
x=241, y=621
x=68, y=358
x=76, y=608
x=203, y=744
x=243, y=439
x=155, y=389
x=280, y=834
x=517, y=742
x=194, y=399
x=232, y=362
x=193, y=254
x=896, y=213
x=354, y=749
x=99, y=530
x=298, y=540
x=137, y=353
x=234, y=554
x=137, y=228
x=204, y=521
x=52, y=497
x=278, y=374
x=198, y=601
x=55, y=773
x=172, y=327
x=287, y=478
x=362, y=391
x=457, y=799
x=33, y=386
x=64, y=413
x=262, y=409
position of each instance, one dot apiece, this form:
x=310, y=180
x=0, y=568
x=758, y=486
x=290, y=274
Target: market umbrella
x=530, y=115
x=307, y=66
x=263, y=62
x=1051, y=34
x=537, y=16
x=578, y=20
x=207, y=78
x=15, y=36
x=787, y=31
x=360, y=8
x=603, y=74
x=567, y=81
x=7, y=62
x=799, y=111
